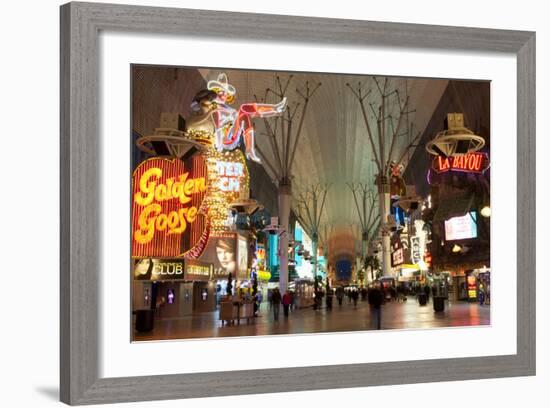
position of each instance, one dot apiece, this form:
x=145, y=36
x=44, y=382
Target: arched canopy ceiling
x=333, y=146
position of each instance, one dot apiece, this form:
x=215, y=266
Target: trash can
x=439, y=303
x=422, y=299
x=144, y=320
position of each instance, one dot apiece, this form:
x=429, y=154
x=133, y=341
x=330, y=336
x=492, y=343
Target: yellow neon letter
x=147, y=188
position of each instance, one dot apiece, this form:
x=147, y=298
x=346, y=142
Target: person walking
x=375, y=298
x=275, y=303
x=393, y=293
x=355, y=297
x=258, y=302
x=287, y=301
x=340, y=295
x=481, y=295
x=269, y=294
x=427, y=292
x=329, y=299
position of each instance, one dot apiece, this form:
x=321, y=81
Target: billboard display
x=464, y=227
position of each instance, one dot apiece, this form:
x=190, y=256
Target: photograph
x=279, y=203
x=275, y=203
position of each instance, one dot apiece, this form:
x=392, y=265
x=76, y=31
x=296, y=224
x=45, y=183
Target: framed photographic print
x=248, y=195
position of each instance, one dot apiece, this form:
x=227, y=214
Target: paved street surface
x=405, y=315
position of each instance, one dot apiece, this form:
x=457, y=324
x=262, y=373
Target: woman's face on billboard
x=142, y=266
x=225, y=256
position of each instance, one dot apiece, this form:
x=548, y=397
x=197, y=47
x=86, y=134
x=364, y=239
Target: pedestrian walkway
x=406, y=315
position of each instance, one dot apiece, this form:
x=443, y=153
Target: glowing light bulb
x=486, y=211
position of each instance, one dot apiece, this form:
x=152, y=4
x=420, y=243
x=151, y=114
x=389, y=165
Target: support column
x=384, y=200
x=285, y=194
x=364, y=242
x=314, y=257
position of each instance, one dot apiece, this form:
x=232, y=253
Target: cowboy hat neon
x=222, y=84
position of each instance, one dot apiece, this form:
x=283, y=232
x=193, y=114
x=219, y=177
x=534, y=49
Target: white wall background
x=29, y=99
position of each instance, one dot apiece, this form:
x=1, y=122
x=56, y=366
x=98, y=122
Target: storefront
x=199, y=274
x=160, y=284
x=408, y=276
x=304, y=292
x=472, y=283
x=484, y=278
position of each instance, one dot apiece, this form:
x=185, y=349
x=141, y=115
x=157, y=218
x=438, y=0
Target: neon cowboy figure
x=230, y=123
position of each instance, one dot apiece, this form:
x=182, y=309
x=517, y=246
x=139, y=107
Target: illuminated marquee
x=228, y=181
x=471, y=286
x=470, y=163
x=198, y=271
x=229, y=175
x=167, y=195
x=158, y=269
x=397, y=252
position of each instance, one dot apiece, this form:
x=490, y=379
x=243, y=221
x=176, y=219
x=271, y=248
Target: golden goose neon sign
x=166, y=201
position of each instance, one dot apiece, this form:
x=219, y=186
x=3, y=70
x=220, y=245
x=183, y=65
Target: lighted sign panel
x=416, y=253
x=260, y=255
x=463, y=227
x=221, y=252
x=229, y=176
x=198, y=271
x=476, y=162
x=273, y=260
x=471, y=286
x=303, y=268
x=397, y=252
x=228, y=182
x=397, y=257
x=242, y=254
x=152, y=269
x=166, y=197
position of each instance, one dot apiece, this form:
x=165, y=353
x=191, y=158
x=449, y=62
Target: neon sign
x=167, y=195
x=168, y=268
x=470, y=163
x=397, y=254
x=229, y=175
x=158, y=269
x=471, y=286
x=198, y=271
x=228, y=181
x=428, y=259
x=415, y=250
x=232, y=123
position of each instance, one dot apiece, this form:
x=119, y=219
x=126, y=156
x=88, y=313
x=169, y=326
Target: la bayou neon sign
x=469, y=163
x=166, y=198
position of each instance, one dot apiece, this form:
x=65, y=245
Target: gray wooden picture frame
x=80, y=237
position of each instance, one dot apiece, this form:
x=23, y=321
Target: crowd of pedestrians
x=375, y=295
x=276, y=300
